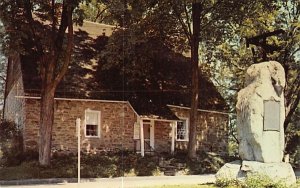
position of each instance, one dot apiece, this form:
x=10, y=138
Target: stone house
x=142, y=122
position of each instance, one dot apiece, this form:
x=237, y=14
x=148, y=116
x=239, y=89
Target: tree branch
x=224, y=86
x=186, y=28
x=2, y=78
x=62, y=29
x=291, y=110
x=188, y=19
x=29, y=18
x=295, y=51
x=69, y=48
x=99, y=13
x=233, y=135
x=294, y=88
x=53, y=19
x=210, y=9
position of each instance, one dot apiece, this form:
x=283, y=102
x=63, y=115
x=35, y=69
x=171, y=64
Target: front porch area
x=152, y=135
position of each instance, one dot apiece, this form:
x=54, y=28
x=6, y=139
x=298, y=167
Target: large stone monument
x=260, y=118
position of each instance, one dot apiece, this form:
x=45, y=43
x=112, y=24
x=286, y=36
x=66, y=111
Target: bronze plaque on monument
x=271, y=115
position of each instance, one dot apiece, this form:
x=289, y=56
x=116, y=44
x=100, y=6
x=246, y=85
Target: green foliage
x=95, y=165
x=181, y=186
x=11, y=143
x=8, y=130
x=206, y=163
x=145, y=166
x=169, y=24
x=298, y=182
x=228, y=183
x=233, y=56
x=114, y=164
x=252, y=181
x=107, y=164
x=41, y=31
x=233, y=148
x=96, y=11
x=261, y=181
x=30, y=155
x=293, y=139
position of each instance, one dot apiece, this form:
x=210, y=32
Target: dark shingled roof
x=86, y=78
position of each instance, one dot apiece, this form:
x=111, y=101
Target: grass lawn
x=184, y=186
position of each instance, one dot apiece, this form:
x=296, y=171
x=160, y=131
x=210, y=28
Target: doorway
x=147, y=137
x=148, y=128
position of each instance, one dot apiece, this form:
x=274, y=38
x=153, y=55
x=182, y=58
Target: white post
x=152, y=134
x=173, y=138
x=142, y=138
x=78, y=120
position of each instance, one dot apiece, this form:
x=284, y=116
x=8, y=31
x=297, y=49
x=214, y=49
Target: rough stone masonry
x=260, y=119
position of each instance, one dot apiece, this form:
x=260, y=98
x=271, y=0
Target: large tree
x=273, y=34
x=206, y=24
x=191, y=27
x=43, y=31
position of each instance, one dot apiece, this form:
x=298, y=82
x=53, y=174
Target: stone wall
x=212, y=130
x=116, y=125
x=13, y=73
x=117, y=121
x=14, y=105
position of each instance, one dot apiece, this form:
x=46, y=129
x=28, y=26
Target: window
x=92, y=123
x=182, y=130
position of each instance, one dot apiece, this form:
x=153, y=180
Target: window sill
x=182, y=140
x=92, y=136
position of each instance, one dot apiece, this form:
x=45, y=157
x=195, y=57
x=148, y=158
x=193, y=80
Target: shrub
x=206, y=162
x=146, y=166
x=108, y=164
x=252, y=181
x=30, y=155
x=261, y=181
x=228, y=183
x=11, y=143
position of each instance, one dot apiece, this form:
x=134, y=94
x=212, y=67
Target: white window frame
x=98, y=127
x=187, y=130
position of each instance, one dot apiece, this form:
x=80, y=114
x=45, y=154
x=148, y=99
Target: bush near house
x=124, y=163
x=110, y=164
x=101, y=165
x=11, y=144
x=18, y=164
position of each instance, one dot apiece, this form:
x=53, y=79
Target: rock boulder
x=261, y=113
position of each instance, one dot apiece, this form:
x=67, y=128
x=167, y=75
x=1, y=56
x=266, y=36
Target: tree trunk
x=192, y=146
x=46, y=122
x=51, y=74
x=292, y=99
